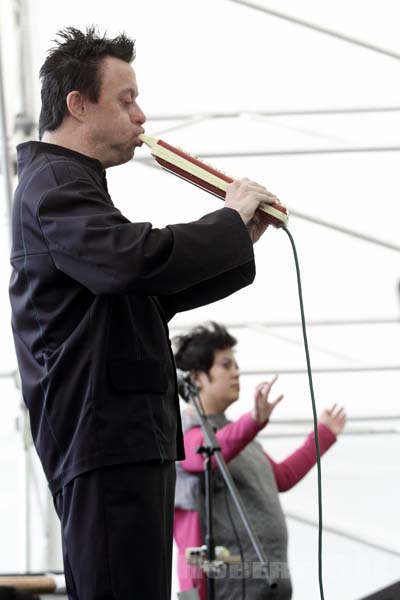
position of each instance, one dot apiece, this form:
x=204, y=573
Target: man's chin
x=131, y=153
x=123, y=157
x=122, y=154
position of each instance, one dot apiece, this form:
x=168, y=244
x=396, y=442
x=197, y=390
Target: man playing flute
x=91, y=295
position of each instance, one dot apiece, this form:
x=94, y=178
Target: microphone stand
x=190, y=392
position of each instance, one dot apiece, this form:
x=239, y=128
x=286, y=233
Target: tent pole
x=5, y=161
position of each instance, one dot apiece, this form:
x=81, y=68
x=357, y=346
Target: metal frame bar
x=310, y=323
x=190, y=119
x=347, y=432
x=314, y=27
x=295, y=152
x=305, y=112
x=288, y=152
x=349, y=419
x=149, y=162
x=297, y=341
x=345, y=231
x=9, y=375
x=320, y=370
x=24, y=120
x=342, y=533
x=5, y=162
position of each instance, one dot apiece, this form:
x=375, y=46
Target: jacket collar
x=27, y=150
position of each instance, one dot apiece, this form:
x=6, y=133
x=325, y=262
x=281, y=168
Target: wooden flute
x=188, y=167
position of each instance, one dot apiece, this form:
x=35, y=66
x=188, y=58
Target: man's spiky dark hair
x=74, y=64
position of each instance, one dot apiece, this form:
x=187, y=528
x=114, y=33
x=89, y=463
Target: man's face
x=221, y=387
x=115, y=121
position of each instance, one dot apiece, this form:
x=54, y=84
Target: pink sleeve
x=296, y=465
x=232, y=438
x=187, y=533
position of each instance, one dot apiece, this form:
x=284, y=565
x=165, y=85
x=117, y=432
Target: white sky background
x=216, y=56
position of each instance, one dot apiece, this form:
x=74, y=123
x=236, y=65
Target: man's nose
x=138, y=116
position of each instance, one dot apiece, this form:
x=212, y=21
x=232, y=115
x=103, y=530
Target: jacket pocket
x=138, y=376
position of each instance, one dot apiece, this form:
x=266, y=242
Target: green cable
x=315, y=419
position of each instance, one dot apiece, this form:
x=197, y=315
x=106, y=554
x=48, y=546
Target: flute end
x=149, y=140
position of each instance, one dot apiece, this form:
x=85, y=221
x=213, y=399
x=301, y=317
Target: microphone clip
x=187, y=389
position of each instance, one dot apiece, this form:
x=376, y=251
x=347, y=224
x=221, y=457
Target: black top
x=91, y=294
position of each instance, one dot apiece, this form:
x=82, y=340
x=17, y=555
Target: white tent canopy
x=306, y=101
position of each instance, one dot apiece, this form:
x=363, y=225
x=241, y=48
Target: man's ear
x=76, y=105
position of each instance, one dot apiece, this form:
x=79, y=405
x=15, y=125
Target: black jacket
x=91, y=294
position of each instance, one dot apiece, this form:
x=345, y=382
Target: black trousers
x=117, y=525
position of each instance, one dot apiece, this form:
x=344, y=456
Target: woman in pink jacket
x=207, y=351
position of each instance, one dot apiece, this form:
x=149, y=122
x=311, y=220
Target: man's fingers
x=265, y=197
x=261, y=192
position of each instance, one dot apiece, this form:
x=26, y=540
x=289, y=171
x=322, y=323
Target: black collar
x=41, y=147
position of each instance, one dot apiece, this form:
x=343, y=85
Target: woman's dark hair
x=74, y=64
x=195, y=350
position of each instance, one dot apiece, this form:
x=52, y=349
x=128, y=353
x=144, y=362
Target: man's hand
x=334, y=418
x=245, y=196
x=262, y=407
